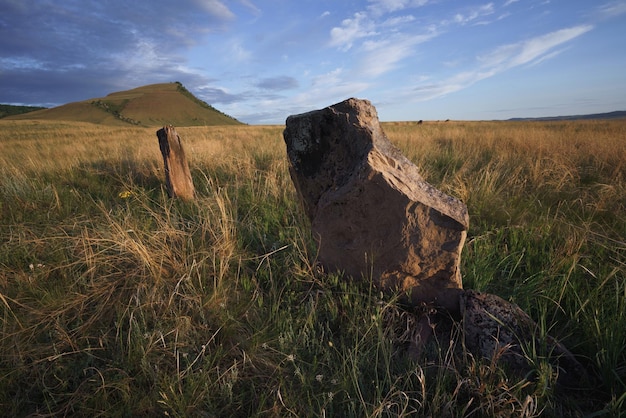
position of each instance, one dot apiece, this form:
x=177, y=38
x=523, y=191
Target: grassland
x=116, y=300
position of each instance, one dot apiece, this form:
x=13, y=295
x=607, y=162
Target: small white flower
x=291, y=358
x=319, y=378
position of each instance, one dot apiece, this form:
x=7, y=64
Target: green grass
x=10, y=110
x=116, y=300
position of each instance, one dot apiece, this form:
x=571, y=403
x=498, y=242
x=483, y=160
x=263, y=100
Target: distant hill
x=10, y=110
x=151, y=105
x=610, y=115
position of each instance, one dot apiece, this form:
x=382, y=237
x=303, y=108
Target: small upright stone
x=177, y=175
x=371, y=212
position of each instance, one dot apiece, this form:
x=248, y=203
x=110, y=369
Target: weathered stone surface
x=372, y=213
x=497, y=329
x=177, y=175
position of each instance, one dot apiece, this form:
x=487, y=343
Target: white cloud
x=546, y=57
x=326, y=89
x=499, y=55
x=475, y=13
x=536, y=47
x=380, y=7
x=512, y=55
x=384, y=56
x=509, y=2
x=351, y=29
x=25, y=63
x=394, y=22
x=237, y=52
x=216, y=8
x=530, y=52
x=251, y=6
x=457, y=82
x=612, y=9
x=330, y=78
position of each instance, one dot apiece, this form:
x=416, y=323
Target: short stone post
x=177, y=175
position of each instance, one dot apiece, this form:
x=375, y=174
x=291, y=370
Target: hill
x=151, y=105
x=608, y=115
x=10, y=110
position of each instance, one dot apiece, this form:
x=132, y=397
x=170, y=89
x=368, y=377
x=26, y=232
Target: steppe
x=116, y=300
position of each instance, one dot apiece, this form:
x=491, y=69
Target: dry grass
x=116, y=300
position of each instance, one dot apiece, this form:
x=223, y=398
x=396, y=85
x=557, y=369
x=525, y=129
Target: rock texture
x=177, y=175
x=371, y=212
x=497, y=329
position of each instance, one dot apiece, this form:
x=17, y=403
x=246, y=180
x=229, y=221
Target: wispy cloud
x=380, y=7
x=238, y=52
x=331, y=86
x=450, y=85
x=385, y=55
x=394, y=22
x=251, y=6
x=277, y=83
x=383, y=41
x=535, y=48
x=612, y=9
x=213, y=94
x=215, y=8
x=357, y=27
x=331, y=78
x=372, y=22
x=474, y=13
x=382, y=56
x=529, y=52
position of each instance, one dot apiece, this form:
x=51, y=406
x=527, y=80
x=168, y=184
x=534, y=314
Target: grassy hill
x=151, y=105
x=10, y=110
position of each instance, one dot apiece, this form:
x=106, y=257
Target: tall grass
x=116, y=300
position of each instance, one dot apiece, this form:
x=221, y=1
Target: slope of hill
x=10, y=110
x=151, y=105
x=609, y=115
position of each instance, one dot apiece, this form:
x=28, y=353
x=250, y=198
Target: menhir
x=371, y=212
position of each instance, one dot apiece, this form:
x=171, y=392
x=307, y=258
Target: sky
x=263, y=60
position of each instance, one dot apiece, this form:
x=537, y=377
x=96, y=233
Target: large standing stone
x=371, y=212
x=177, y=175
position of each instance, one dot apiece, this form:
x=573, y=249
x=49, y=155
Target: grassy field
x=117, y=301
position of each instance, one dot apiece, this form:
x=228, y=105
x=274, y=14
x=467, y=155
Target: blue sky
x=262, y=60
